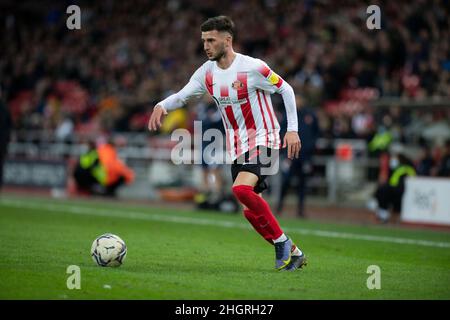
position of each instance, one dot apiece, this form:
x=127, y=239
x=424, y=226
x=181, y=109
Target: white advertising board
x=426, y=200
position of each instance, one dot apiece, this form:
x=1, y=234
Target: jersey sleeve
x=195, y=87
x=266, y=79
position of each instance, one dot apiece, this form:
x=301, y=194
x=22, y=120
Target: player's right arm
x=195, y=87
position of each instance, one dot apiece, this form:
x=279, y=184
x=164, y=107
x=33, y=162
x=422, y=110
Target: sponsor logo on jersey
x=228, y=100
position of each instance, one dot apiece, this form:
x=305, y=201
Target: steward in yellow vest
x=100, y=171
x=389, y=195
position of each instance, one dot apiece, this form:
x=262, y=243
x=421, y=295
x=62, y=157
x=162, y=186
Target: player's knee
x=242, y=192
x=238, y=192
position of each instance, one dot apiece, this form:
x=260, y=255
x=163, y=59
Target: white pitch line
x=209, y=222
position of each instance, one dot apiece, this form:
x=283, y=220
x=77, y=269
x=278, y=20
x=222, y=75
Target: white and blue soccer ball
x=108, y=250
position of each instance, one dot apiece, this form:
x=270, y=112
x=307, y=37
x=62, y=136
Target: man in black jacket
x=301, y=167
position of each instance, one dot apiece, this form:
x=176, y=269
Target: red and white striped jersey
x=242, y=94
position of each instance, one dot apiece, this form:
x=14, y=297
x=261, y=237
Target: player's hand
x=293, y=143
x=155, y=119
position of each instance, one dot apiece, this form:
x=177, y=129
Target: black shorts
x=253, y=162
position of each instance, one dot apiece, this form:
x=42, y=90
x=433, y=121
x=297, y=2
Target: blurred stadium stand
x=63, y=87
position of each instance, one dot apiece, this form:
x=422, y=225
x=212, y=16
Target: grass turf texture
x=189, y=258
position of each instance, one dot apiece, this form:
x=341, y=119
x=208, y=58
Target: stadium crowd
x=129, y=54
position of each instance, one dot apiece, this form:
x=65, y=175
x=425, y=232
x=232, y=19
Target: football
x=108, y=250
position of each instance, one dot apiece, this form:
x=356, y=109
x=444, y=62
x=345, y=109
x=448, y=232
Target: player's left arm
x=268, y=80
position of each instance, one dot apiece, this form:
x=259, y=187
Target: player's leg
x=243, y=189
x=255, y=221
x=298, y=259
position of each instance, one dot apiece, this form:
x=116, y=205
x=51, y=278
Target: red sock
x=260, y=209
x=258, y=224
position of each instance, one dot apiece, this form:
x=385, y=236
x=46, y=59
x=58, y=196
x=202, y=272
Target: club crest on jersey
x=237, y=85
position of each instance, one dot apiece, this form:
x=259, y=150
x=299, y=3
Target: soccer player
x=241, y=87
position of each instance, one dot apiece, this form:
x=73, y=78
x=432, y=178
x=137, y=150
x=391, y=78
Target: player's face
x=215, y=44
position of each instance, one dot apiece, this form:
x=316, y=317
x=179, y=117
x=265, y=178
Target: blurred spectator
x=389, y=195
x=426, y=163
x=379, y=148
x=88, y=172
x=211, y=192
x=176, y=119
x=64, y=129
x=363, y=124
x=128, y=54
x=5, y=133
x=301, y=167
x=100, y=171
x=382, y=139
x=444, y=165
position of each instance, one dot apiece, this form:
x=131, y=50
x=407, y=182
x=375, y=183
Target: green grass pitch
x=176, y=254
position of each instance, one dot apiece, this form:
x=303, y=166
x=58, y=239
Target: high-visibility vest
x=113, y=166
x=399, y=172
x=90, y=161
x=380, y=141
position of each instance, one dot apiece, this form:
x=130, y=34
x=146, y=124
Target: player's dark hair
x=219, y=23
